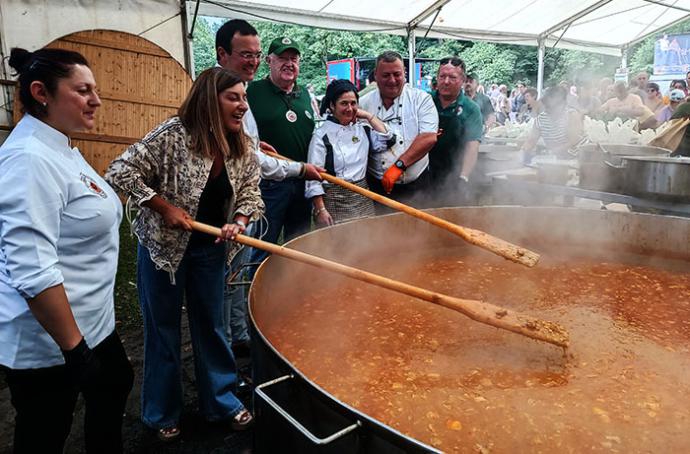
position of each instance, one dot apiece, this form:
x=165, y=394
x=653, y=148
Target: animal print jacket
x=163, y=164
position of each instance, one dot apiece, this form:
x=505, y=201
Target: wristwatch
x=400, y=165
x=240, y=223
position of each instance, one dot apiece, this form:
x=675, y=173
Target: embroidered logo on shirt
x=458, y=111
x=308, y=114
x=92, y=186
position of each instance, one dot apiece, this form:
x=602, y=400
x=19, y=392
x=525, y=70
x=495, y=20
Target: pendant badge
x=355, y=139
x=291, y=116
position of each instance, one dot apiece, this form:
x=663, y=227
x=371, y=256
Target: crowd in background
x=639, y=99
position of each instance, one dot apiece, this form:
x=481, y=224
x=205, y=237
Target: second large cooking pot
x=662, y=178
x=596, y=175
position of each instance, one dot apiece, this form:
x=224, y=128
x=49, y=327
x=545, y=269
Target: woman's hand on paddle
x=177, y=218
x=230, y=231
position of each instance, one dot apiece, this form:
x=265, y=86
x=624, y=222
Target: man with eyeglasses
x=460, y=122
x=401, y=172
x=238, y=49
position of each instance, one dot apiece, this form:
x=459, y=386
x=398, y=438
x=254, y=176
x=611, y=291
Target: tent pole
x=541, y=53
x=624, y=57
x=187, y=43
x=411, y=52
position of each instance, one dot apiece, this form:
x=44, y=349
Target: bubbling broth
x=461, y=386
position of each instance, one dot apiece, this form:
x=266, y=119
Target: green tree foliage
x=203, y=45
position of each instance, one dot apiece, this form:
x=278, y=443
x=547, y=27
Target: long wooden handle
x=480, y=311
x=477, y=237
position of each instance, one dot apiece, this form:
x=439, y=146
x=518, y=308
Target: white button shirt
x=59, y=224
x=412, y=113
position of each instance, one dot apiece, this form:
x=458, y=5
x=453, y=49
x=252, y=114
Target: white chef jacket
x=350, y=151
x=59, y=224
x=412, y=113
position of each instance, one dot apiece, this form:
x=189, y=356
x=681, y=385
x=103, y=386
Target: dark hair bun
x=19, y=58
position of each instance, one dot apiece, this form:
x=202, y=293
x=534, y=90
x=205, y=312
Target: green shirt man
x=285, y=120
x=460, y=122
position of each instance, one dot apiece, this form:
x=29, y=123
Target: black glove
x=83, y=366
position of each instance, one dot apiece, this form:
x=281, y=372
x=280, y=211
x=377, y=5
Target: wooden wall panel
x=140, y=85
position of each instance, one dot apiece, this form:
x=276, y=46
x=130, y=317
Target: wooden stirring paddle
x=477, y=237
x=480, y=311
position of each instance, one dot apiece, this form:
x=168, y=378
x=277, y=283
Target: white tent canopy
x=601, y=26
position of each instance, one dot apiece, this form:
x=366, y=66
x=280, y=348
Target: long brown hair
x=201, y=116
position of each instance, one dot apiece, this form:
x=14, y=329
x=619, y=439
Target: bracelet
x=240, y=222
x=302, y=171
x=319, y=211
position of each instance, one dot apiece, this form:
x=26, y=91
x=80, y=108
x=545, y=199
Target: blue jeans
x=235, y=296
x=200, y=280
x=287, y=210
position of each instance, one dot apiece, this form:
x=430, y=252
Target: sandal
x=168, y=433
x=242, y=420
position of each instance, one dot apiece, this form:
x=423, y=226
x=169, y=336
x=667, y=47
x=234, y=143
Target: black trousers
x=44, y=401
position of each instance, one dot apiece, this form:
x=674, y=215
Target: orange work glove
x=390, y=177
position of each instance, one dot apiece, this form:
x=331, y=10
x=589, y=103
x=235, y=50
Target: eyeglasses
x=250, y=55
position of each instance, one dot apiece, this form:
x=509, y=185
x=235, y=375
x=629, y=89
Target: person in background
x=640, y=86
x=676, y=97
x=605, y=89
x=502, y=95
x=680, y=84
x=628, y=106
x=197, y=165
x=687, y=79
x=503, y=112
x=483, y=101
x=238, y=49
x=59, y=244
x=653, y=99
x=518, y=99
x=342, y=145
x=402, y=171
x=314, y=103
x=532, y=107
x=559, y=126
x=371, y=84
x=587, y=102
x=454, y=155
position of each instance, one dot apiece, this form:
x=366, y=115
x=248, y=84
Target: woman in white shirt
x=341, y=145
x=58, y=258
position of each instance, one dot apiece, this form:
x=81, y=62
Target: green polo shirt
x=270, y=106
x=461, y=122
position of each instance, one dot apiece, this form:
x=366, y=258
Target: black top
x=211, y=210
